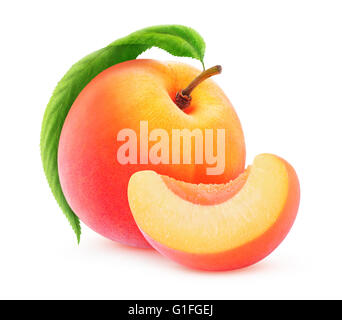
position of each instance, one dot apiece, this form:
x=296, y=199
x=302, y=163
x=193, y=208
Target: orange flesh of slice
x=207, y=219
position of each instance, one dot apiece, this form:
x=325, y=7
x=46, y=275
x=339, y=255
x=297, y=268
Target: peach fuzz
x=217, y=227
x=93, y=181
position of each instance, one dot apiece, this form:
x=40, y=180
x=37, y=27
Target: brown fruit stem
x=183, y=97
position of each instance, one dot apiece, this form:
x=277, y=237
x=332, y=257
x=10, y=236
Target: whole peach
x=93, y=181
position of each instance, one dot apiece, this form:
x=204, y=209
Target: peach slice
x=217, y=227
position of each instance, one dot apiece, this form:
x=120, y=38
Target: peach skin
x=217, y=227
x=94, y=182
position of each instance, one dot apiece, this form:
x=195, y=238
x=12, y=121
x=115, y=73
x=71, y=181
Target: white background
x=282, y=70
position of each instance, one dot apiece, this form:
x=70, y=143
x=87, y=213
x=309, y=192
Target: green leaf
x=176, y=39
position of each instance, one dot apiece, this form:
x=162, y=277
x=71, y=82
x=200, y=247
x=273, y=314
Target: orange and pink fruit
x=93, y=181
x=217, y=227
